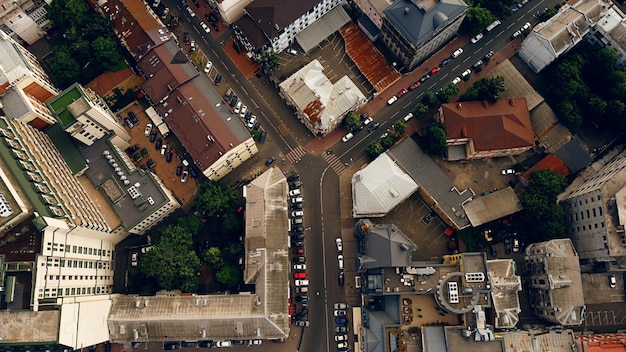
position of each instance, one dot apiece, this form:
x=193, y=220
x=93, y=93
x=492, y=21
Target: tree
x=213, y=256
x=431, y=100
x=172, y=261
x=106, y=50
x=421, y=110
x=398, y=129
x=65, y=69
x=230, y=223
x=386, y=141
x=374, y=149
x=569, y=112
x=67, y=13
x=485, y=89
x=215, y=199
x=229, y=275
x=189, y=223
x=433, y=140
x=543, y=217
x=447, y=92
x=352, y=121
x=269, y=60
x=476, y=20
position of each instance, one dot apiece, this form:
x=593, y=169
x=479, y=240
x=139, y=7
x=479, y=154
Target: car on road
x=367, y=121
x=514, y=9
x=294, y=192
x=297, y=214
x=148, y=130
x=526, y=26
x=435, y=70
x=612, y=281
x=302, y=289
x=507, y=172
x=341, y=305
x=133, y=259
x=269, y=161
x=424, y=78
x=407, y=117
x=299, y=259
x=456, y=80
x=489, y=55
x=300, y=283
x=342, y=344
x=402, y=93
x=342, y=329
x=293, y=177
x=340, y=313
x=190, y=10
x=507, y=246
x=184, y=176
x=466, y=73
x=185, y=37
x=339, y=244
x=302, y=323
x=299, y=267
x=340, y=261
x=392, y=100
x=341, y=320
x=340, y=278
x=206, y=344
x=205, y=27
x=225, y=343
x=478, y=37
x=445, y=62
x=516, y=34
x=208, y=66
x=347, y=137
x=299, y=275
x=516, y=245
x=457, y=53
x=493, y=25
x=414, y=85
x=373, y=127
x=211, y=17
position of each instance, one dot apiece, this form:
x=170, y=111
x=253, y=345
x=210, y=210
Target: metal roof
x=387, y=246
x=495, y=205
x=379, y=187
x=321, y=29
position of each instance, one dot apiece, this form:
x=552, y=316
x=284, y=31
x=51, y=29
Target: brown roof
x=269, y=13
x=550, y=162
x=503, y=125
x=145, y=19
x=368, y=59
x=254, y=34
x=105, y=82
x=131, y=20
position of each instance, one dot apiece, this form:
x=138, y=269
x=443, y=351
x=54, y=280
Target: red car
x=414, y=85
x=300, y=275
x=401, y=93
x=435, y=70
x=298, y=251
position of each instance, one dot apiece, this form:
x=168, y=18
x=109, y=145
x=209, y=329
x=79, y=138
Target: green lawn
x=59, y=105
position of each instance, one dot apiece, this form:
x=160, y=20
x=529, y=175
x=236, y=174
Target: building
x=505, y=285
x=555, y=288
x=414, y=29
x=26, y=108
x=230, y=10
x=610, y=31
x=193, y=109
x=556, y=36
x=371, y=20
x=550, y=162
x=379, y=187
x=320, y=104
x=601, y=342
x=24, y=20
x=274, y=24
x=21, y=69
x=594, y=212
x=492, y=206
x=479, y=130
x=86, y=117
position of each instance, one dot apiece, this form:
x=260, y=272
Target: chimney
x=406, y=10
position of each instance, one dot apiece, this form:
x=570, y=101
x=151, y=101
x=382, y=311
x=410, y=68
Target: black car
x=364, y=116
x=297, y=228
x=507, y=246
x=340, y=278
x=428, y=218
x=297, y=244
x=133, y=149
x=445, y=62
x=133, y=117
x=192, y=171
x=179, y=169
x=217, y=80
x=269, y=161
x=168, y=156
x=303, y=298
x=206, y=344
x=214, y=25
x=171, y=346
x=239, y=342
x=262, y=137
x=424, y=78
x=153, y=136
x=159, y=143
x=296, y=206
x=494, y=250
x=211, y=17
x=299, y=259
x=297, y=237
x=295, y=184
x=373, y=127
x=293, y=177
x=188, y=344
x=488, y=56
x=186, y=38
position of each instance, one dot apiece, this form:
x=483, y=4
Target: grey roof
x=321, y=29
x=552, y=134
x=432, y=181
x=366, y=24
x=377, y=321
x=379, y=187
x=553, y=340
x=418, y=20
x=515, y=85
x=15, y=103
x=434, y=339
x=495, y=205
x=505, y=285
x=25, y=326
x=387, y=246
x=575, y=154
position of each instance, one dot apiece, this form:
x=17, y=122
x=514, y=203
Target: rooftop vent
x=406, y=10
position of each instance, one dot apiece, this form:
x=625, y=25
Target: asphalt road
x=321, y=206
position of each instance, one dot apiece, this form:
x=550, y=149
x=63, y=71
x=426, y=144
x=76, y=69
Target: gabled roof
x=550, y=162
x=419, y=20
x=272, y=16
x=503, y=125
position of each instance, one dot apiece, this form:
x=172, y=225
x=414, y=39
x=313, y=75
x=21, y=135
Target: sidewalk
x=321, y=144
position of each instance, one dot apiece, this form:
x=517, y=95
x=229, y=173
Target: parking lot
x=164, y=170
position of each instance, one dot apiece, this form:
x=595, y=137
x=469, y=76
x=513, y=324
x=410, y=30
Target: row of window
x=60, y=247
x=587, y=227
x=589, y=214
x=73, y=291
x=78, y=277
x=69, y=263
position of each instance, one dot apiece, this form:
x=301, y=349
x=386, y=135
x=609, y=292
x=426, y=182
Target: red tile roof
x=503, y=125
x=105, y=82
x=368, y=59
x=550, y=162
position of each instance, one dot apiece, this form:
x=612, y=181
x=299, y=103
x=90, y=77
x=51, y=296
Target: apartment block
x=24, y=20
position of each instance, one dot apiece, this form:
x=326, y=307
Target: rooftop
x=492, y=206
x=505, y=288
x=550, y=162
x=384, y=246
x=557, y=340
x=272, y=16
x=60, y=105
x=14, y=321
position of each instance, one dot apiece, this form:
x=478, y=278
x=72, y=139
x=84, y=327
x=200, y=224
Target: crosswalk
x=295, y=154
x=334, y=162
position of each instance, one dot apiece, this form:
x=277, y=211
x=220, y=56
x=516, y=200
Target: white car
x=343, y=344
x=478, y=37
x=301, y=267
x=516, y=34
x=148, y=129
x=466, y=73
x=392, y=100
x=507, y=172
x=340, y=338
x=339, y=244
x=191, y=13
x=208, y=66
x=340, y=313
x=297, y=214
x=294, y=192
x=133, y=259
x=223, y=344
x=347, y=137
x=184, y=176
x=526, y=26
x=457, y=80
x=300, y=283
x=367, y=121
x=238, y=107
x=243, y=111
x=340, y=261
x=407, y=117
x=252, y=121
x=457, y=53
x=340, y=306
x=255, y=342
x=205, y=27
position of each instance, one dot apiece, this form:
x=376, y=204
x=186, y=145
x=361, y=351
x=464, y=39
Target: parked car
x=205, y=27
x=208, y=66
x=148, y=130
x=293, y=177
x=192, y=46
x=612, y=281
x=428, y=218
x=297, y=214
x=169, y=156
x=302, y=323
x=516, y=34
x=217, y=80
x=133, y=118
x=153, y=136
x=339, y=338
x=347, y=137
x=297, y=244
x=392, y=100
x=342, y=329
x=299, y=267
x=185, y=37
x=457, y=53
x=526, y=26
x=478, y=65
x=414, y=85
x=435, y=70
x=129, y=123
x=466, y=73
x=401, y=93
x=179, y=169
x=295, y=184
x=299, y=275
x=340, y=261
x=294, y=192
x=159, y=143
x=507, y=246
x=342, y=344
x=255, y=342
x=339, y=244
x=373, y=127
x=184, y=176
x=206, y=344
x=340, y=305
x=457, y=80
x=339, y=313
x=424, y=78
x=133, y=258
x=269, y=161
x=299, y=259
x=478, y=37
x=516, y=245
x=262, y=137
x=489, y=55
x=507, y=172
x=298, y=251
x=445, y=62
x=171, y=346
x=300, y=283
x=302, y=289
x=494, y=250
x=340, y=278
x=223, y=344
x=407, y=117
x=341, y=320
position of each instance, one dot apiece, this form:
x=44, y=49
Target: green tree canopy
x=542, y=217
x=172, y=261
x=421, y=110
x=477, y=19
x=398, y=129
x=430, y=99
x=229, y=275
x=68, y=13
x=433, y=140
x=213, y=256
x=106, y=50
x=64, y=68
x=447, y=92
x=215, y=199
x=352, y=121
x=374, y=149
x=386, y=141
x=269, y=60
x=485, y=89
